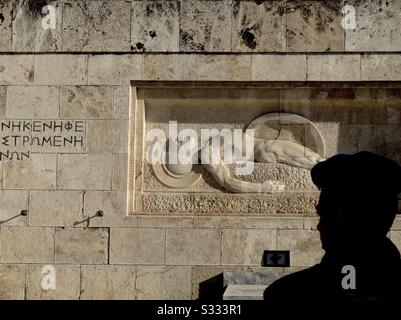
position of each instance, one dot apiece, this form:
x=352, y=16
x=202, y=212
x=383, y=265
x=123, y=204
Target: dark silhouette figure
x=357, y=206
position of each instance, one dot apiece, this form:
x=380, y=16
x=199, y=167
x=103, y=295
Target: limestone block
x=259, y=26
x=121, y=98
x=397, y=222
x=39, y=172
x=381, y=67
x=108, y=282
x=83, y=246
x=80, y=171
x=96, y=25
x=137, y=246
x=169, y=67
x=279, y=67
x=192, y=246
x=17, y=69
x=67, y=282
x=244, y=292
x=3, y=100
x=12, y=203
x=60, y=69
x=249, y=222
x=364, y=106
x=377, y=26
x=120, y=172
x=12, y=282
x=27, y=245
x=396, y=238
x=33, y=102
x=224, y=67
x=338, y=67
x=86, y=102
x=314, y=26
x=55, y=208
x=114, y=206
x=165, y=222
x=155, y=26
x=205, y=26
x=304, y=245
x=28, y=32
x=203, y=273
x=245, y=247
x=163, y=283
x=6, y=9
x=310, y=223
x=107, y=136
x=114, y=69
x=64, y=136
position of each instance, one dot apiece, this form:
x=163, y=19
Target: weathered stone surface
x=155, y=26
x=28, y=32
x=310, y=223
x=107, y=136
x=163, y=283
x=6, y=25
x=192, y=246
x=120, y=172
x=377, y=26
x=259, y=26
x=55, y=208
x=114, y=69
x=224, y=67
x=83, y=246
x=39, y=172
x=86, y=102
x=279, y=67
x=61, y=69
x=264, y=277
x=137, y=246
x=12, y=203
x=304, y=245
x=249, y=222
x=396, y=238
x=245, y=247
x=334, y=67
x=96, y=25
x=314, y=26
x=67, y=283
x=32, y=102
x=80, y=171
x=3, y=101
x=165, y=222
x=381, y=67
x=205, y=26
x=121, y=97
x=12, y=282
x=200, y=274
x=108, y=282
x=27, y=245
x=250, y=204
x=397, y=222
x=244, y=292
x=114, y=206
x=169, y=67
x=16, y=69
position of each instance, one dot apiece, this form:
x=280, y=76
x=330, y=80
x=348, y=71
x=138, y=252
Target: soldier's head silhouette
x=358, y=200
x=357, y=206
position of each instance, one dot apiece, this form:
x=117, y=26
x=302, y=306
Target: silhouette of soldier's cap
x=364, y=171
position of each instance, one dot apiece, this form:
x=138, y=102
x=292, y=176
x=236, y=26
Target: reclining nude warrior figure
x=279, y=150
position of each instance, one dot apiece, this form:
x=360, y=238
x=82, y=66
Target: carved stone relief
x=277, y=140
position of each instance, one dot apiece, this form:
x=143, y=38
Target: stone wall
x=77, y=77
